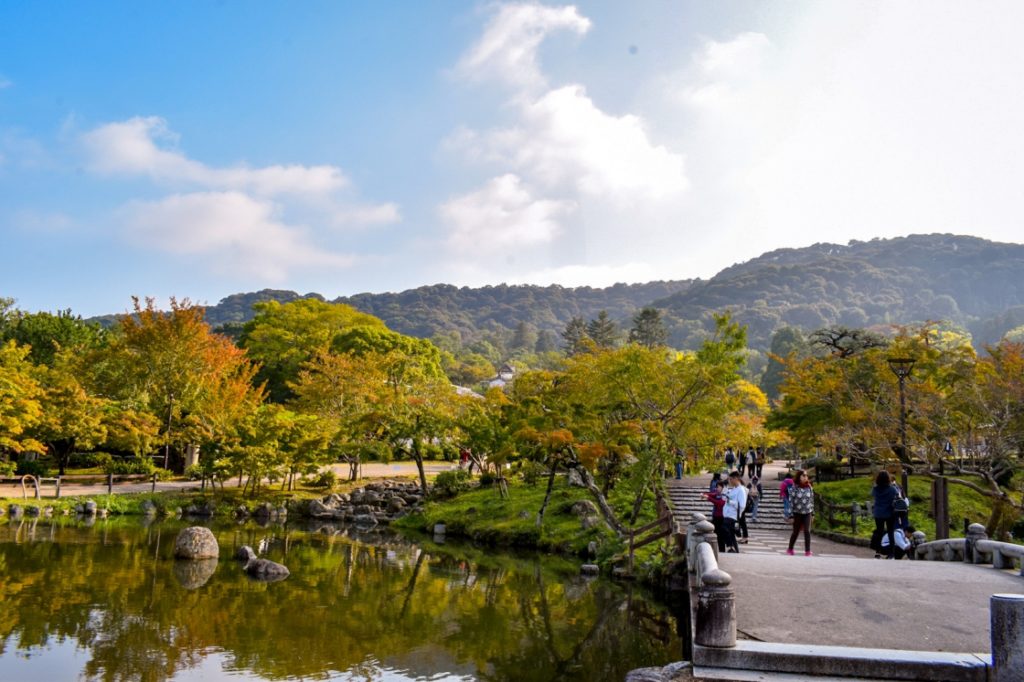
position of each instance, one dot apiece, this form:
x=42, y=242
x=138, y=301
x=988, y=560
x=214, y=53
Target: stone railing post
x=975, y=532
x=716, y=611
x=703, y=532
x=1007, y=618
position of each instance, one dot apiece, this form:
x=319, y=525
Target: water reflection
x=109, y=603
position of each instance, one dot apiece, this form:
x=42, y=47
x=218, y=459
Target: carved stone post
x=716, y=611
x=1007, y=614
x=975, y=532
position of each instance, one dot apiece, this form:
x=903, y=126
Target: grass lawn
x=963, y=503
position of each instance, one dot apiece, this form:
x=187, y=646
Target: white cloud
x=501, y=215
x=566, y=167
x=231, y=231
x=507, y=50
x=381, y=214
x=854, y=121
x=131, y=148
x=564, y=141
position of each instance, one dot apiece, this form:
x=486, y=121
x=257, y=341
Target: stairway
x=686, y=499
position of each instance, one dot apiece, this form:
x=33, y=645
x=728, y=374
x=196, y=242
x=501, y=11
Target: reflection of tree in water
x=346, y=603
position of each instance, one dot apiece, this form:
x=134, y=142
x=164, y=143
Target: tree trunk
x=547, y=495
x=418, y=456
x=602, y=503
x=638, y=504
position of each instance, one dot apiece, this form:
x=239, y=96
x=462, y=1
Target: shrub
x=32, y=468
x=325, y=479
x=134, y=465
x=451, y=483
x=431, y=451
x=531, y=472
x=1018, y=529
x=90, y=460
x=487, y=479
x=7, y=469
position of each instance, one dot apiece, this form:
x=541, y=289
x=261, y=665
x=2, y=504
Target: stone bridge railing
x=712, y=607
x=976, y=548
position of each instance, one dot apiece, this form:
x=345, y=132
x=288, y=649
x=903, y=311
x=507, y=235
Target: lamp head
x=901, y=366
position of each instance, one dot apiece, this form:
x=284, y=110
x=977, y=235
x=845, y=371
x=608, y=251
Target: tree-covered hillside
x=968, y=281
x=971, y=282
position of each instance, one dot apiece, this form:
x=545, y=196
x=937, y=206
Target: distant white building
x=505, y=376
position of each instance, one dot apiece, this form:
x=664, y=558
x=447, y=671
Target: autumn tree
x=169, y=363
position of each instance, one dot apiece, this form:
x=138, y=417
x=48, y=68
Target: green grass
x=963, y=503
x=481, y=514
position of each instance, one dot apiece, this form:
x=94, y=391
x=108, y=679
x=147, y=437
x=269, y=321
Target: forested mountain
x=971, y=282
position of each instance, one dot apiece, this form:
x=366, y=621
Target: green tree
x=576, y=338
x=20, y=399
x=785, y=341
x=603, y=331
x=71, y=418
x=48, y=333
x=284, y=336
x=648, y=328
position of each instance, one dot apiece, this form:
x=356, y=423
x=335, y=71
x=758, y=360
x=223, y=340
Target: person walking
x=754, y=491
x=751, y=462
x=884, y=494
x=801, y=497
x=735, y=502
x=760, y=457
x=679, y=464
x=730, y=459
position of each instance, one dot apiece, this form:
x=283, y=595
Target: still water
x=108, y=602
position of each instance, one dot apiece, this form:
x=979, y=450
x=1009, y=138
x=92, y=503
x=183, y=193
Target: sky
x=199, y=149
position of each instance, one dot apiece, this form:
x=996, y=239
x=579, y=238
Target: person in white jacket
x=735, y=502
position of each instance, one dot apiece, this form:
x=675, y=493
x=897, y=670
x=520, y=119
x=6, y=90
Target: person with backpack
x=730, y=459
x=759, y=460
x=751, y=461
x=754, y=492
x=784, y=488
x=884, y=494
x=801, y=497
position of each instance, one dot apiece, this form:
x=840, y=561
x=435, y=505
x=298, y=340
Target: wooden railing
x=835, y=514
x=660, y=528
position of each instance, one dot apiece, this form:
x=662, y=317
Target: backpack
x=750, y=504
x=900, y=504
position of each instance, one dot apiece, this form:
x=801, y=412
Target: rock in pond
x=89, y=508
x=261, y=569
x=196, y=542
x=148, y=508
x=590, y=569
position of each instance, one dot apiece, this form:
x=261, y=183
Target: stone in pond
x=196, y=543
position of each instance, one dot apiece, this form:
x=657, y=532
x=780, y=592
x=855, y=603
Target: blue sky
x=199, y=149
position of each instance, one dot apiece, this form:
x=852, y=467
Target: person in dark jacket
x=718, y=504
x=883, y=494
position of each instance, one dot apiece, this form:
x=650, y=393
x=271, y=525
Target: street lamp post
x=901, y=367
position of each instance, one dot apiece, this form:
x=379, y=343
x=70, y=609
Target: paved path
x=370, y=470
x=843, y=596
x=917, y=605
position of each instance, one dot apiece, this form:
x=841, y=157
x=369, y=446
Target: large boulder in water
x=196, y=543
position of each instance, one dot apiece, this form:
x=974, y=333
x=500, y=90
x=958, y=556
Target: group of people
x=752, y=462
x=890, y=508
x=732, y=502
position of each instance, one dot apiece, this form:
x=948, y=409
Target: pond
x=108, y=602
